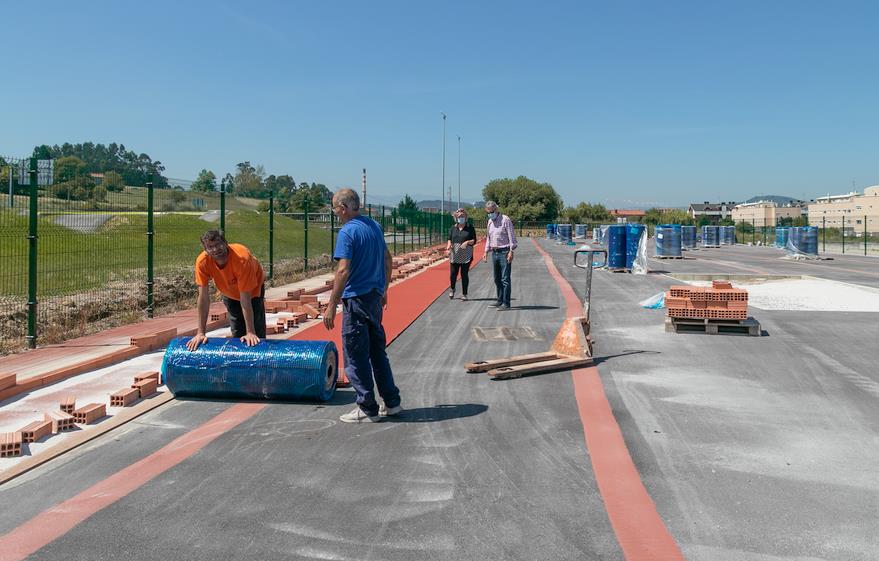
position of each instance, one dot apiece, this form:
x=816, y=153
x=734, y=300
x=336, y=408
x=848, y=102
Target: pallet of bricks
x=716, y=309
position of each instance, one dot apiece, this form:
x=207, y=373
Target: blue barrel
x=804, y=239
x=688, y=237
x=633, y=237
x=710, y=236
x=781, y=235
x=615, y=237
x=580, y=230
x=273, y=369
x=564, y=233
x=668, y=240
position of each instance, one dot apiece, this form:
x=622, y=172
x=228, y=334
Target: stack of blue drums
x=781, y=234
x=633, y=237
x=688, y=237
x=804, y=240
x=727, y=235
x=616, y=246
x=710, y=236
x=668, y=240
x=564, y=233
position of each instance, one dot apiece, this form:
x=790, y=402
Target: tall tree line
x=134, y=168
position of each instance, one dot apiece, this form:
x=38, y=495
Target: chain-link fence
x=853, y=237
x=80, y=253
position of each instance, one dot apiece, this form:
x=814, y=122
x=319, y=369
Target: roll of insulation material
x=688, y=237
x=272, y=369
x=564, y=233
x=727, y=235
x=580, y=230
x=668, y=240
x=633, y=238
x=615, y=237
x=710, y=236
x=781, y=235
x=803, y=240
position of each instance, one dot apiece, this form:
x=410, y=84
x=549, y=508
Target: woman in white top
x=462, y=238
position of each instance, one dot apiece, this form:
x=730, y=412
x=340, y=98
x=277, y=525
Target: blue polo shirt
x=362, y=241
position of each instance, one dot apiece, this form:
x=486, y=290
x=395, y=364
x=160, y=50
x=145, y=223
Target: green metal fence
x=77, y=255
x=853, y=237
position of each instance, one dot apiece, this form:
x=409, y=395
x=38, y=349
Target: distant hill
x=777, y=199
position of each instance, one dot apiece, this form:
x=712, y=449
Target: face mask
x=462, y=220
x=492, y=215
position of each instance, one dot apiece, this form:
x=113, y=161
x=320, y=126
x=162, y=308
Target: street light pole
x=443, y=192
x=459, y=171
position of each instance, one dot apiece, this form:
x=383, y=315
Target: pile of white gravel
x=808, y=294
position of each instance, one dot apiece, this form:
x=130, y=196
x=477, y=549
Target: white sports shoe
x=383, y=410
x=358, y=416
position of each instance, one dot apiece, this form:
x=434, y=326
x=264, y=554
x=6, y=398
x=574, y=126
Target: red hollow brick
x=35, y=431
x=7, y=380
x=10, y=444
x=145, y=387
x=68, y=404
x=61, y=421
x=124, y=397
x=88, y=414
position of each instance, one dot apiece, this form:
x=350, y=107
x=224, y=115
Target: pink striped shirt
x=500, y=234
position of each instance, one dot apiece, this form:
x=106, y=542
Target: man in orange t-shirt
x=239, y=278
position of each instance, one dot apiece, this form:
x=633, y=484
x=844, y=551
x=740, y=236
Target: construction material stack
x=716, y=309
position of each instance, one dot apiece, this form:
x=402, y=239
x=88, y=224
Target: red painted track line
x=60, y=519
x=406, y=301
x=640, y=531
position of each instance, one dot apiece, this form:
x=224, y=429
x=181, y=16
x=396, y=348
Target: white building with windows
x=852, y=212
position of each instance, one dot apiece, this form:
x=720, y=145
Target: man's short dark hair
x=213, y=236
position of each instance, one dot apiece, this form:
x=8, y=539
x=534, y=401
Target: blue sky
x=626, y=103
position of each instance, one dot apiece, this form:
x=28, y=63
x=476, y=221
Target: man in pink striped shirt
x=500, y=243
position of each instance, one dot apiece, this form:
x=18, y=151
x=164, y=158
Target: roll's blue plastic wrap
x=616, y=246
x=273, y=369
x=668, y=240
x=688, y=237
x=633, y=241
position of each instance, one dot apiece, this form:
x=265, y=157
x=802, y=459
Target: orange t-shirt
x=242, y=272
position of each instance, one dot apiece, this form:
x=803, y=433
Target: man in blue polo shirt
x=361, y=283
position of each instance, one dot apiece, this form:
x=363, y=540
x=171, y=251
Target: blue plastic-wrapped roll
x=803, y=240
x=549, y=231
x=633, y=238
x=668, y=240
x=727, y=235
x=564, y=233
x=615, y=238
x=688, y=237
x=273, y=369
x=781, y=234
x=580, y=231
x=596, y=235
x=710, y=236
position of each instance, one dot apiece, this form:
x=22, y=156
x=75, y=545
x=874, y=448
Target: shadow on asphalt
x=534, y=307
x=599, y=359
x=437, y=413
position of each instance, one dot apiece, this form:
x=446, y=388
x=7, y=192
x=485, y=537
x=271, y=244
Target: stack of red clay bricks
x=720, y=301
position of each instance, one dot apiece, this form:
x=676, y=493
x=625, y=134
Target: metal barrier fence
x=853, y=237
x=77, y=255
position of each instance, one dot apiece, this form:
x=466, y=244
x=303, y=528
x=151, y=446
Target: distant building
x=98, y=177
x=714, y=212
x=627, y=215
x=766, y=213
x=847, y=211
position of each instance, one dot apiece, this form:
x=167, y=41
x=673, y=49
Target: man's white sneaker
x=358, y=416
x=383, y=410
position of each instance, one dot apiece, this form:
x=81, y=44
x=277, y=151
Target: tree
x=407, y=205
x=585, y=213
x=666, y=216
x=134, y=168
x=524, y=199
x=69, y=168
x=249, y=181
x=113, y=181
x=317, y=194
x=206, y=182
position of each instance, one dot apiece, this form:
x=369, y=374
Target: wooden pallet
x=618, y=270
x=749, y=326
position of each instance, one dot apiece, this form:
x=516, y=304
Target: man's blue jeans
x=502, y=272
x=364, y=342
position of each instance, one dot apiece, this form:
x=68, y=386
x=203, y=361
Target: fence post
x=842, y=231
x=305, y=208
x=32, y=259
x=271, y=236
x=369, y=210
x=333, y=233
x=865, y=234
x=223, y=208
x=823, y=234
x=150, y=247
x=394, y=217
